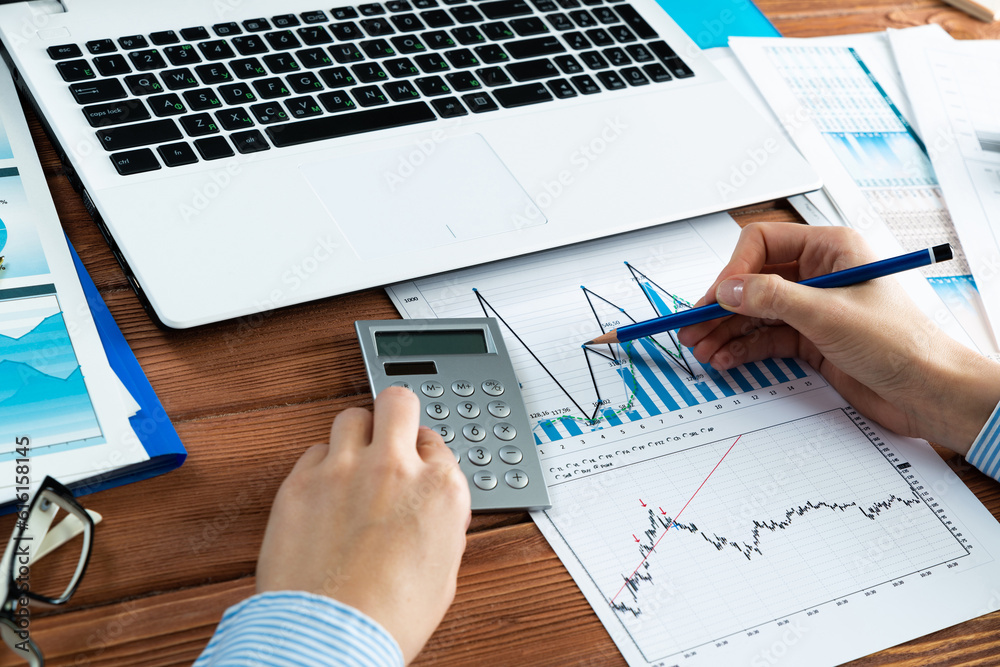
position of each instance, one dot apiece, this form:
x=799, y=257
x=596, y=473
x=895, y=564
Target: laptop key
x=492, y=53
x=568, y=64
x=617, y=57
x=634, y=76
x=337, y=77
x=236, y=118
x=199, y=125
x=303, y=107
x=202, y=99
x=576, y=41
x=248, y=68
x=463, y=81
x=313, y=35
x=346, y=31
x=214, y=148
x=64, y=51
x=467, y=34
x=401, y=91
x=143, y=84
x=249, y=142
x=407, y=22
x=493, y=76
x=369, y=72
x=519, y=96
x=337, y=101
x=438, y=39
x=133, y=42
x=102, y=90
x=75, y=70
x=268, y=113
x=678, y=68
x=141, y=134
x=432, y=85
x=437, y=18
x=600, y=37
x=585, y=84
x=256, y=25
x=611, y=80
x=561, y=88
x=560, y=22
x=217, y=49
x=606, y=15
x=177, y=155
x=164, y=37
x=431, y=63
x=369, y=96
x=466, y=14
x=305, y=82
x=314, y=58
x=621, y=34
x=449, y=107
x=504, y=9
x=272, y=88
x=226, y=29
x=182, y=55
x=250, y=45
x=528, y=26
x=461, y=58
x=401, y=68
x=533, y=48
x=101, y=46
x=285, y=21
x=583, y=18
x=195, y=33
x=371, y=9
x=378, y=48
x=407, y=44
x=146, y=60
x=369, y=120
x=635, y=20
x=166, y=105
x=530, y=70
x=346, y=53
x=135, y=162
x=179, y=79
x=498, y=31
x=213, y=75
x=480, y=102
x=343, y=13
x=281, y=63
x=113, y=65
x=656, y=72
x=639, y=53
x=115, y=113
x=237, y=93
x=282, y=40
x=315, y=16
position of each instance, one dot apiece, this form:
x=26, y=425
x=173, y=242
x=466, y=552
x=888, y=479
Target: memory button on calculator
x=516, y=479
x=468, y=409
x=446, y=432
x=462, y=388
x=404, y=385
x=438, y=411
x=474, y=432
x=499, y=409
x=510, y=454
x=485, y=480
x=479, y=456
x=505, y=431
x=432, y=389
x=493, y=387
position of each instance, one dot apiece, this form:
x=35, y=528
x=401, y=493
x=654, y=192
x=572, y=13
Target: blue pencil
x=859, y=274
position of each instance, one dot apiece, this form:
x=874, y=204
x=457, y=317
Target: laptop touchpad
x=421, y=195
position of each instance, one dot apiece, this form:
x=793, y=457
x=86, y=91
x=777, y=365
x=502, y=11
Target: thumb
x=771, y=297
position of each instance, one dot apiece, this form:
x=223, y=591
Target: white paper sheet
x=748, y=517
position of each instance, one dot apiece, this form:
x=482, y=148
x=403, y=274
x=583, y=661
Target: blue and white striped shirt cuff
x=985, y=451
x=298, y=629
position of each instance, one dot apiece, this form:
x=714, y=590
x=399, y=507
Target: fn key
x=135, y=162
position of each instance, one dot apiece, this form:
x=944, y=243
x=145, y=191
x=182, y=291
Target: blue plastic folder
x=712, y=22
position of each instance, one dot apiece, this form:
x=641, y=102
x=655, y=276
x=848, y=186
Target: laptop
x=245, y=156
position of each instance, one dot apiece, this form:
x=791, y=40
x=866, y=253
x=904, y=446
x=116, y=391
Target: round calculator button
x=516, y=479
x=446, y=432
x=510, y=454
x=479, y=456
x=505, y=431
x=438, y=411
x=474, y=432
x=485, y=480
x=467, y=409
x=432, y=389
x=493, y=387
x=401, y=383
x=499, y=409
x=462, y=387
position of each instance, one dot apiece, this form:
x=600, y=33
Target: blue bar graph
x=550, y=430
x=740, y=380
x=757, y=374
x=795, y=368
x=612, y=418
x=633, y=416
x=720, y=381
x=705, y=391
x=665, y=367
x=776, y=371
x=571, y=426
x=640, y=394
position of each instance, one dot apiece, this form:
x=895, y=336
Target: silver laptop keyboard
x=174, y=98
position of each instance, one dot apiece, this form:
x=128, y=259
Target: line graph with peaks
x=743, y=552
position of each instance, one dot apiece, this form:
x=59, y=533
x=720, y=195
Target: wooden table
x=248, y=396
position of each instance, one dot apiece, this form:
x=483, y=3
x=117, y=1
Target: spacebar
x=330, y=127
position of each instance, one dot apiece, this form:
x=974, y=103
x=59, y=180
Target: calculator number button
x=499, y=409
x=474, y=433
x=438, y=411
x=432, y=389
x=510, y=454
x=468, y=409
x=504, y=431
x=493, y=387
x=479, y=456
x=463, y=388
x=485, y=480
x=404, y=385
x=446, y=432
x=516, y=479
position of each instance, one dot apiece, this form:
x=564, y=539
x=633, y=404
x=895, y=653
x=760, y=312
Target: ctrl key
x=134, y=162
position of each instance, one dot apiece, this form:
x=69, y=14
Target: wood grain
x=247, y=396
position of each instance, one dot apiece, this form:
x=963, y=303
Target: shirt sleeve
x=298, y=629
x=985, y=451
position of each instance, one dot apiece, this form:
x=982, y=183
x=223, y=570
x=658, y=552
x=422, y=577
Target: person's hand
x=868, y=340
x=376, y=520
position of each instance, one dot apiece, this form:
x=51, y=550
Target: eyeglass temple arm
x=61, y=533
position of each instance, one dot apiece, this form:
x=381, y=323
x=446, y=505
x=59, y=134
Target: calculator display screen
x=430, y=343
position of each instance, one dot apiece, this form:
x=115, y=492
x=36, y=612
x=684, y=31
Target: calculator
x=460, y=370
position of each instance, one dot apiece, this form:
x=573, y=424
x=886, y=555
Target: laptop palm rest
x=421, y=195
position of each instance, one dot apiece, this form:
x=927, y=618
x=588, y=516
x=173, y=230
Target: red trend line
x=677, y=516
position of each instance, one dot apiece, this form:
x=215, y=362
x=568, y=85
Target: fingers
x=311, y=458
x=351, y=429
x=431, y=447
x=397, y=417
x=766, y=343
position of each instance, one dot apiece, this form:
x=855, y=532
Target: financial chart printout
x=746, y=517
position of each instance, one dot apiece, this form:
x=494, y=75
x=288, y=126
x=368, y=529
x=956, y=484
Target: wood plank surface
x=248, y=396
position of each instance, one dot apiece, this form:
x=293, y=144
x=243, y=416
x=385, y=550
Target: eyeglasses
x=22, y=579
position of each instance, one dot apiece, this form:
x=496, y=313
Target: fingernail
x=730, y=293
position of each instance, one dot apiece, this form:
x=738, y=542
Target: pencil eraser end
x=943, y=252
